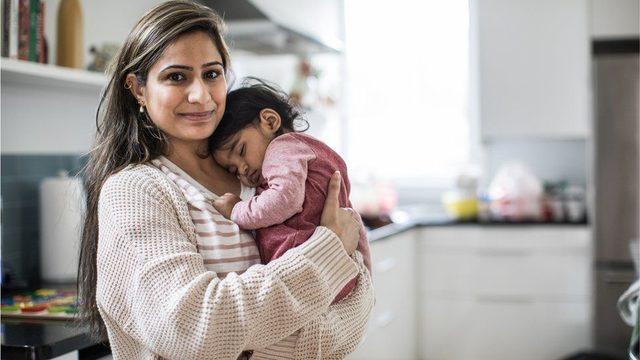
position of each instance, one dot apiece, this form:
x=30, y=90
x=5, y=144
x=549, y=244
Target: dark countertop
x=394, y=229
x=41, y=339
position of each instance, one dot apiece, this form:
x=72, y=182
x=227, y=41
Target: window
x=407, y=90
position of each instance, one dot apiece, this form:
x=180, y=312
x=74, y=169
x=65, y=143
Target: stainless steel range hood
x=252, y=30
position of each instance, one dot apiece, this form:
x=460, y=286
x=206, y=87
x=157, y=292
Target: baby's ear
x=270, y=120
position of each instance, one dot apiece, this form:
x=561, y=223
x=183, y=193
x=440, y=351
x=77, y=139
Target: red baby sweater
x=289, y=202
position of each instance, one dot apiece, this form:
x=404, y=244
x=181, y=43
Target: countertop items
x=42, y=304
x=61, y=213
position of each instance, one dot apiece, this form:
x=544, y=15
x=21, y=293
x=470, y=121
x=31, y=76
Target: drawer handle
x=520, y=299
x=384, y=319
x=385, y=265
x=503, y=252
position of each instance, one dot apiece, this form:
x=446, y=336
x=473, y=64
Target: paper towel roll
x=61, y=213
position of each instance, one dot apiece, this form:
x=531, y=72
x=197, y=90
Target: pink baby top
x=286, y=210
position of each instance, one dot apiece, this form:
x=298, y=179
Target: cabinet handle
x=520, y=299
x=385, y=265
x=503, y=252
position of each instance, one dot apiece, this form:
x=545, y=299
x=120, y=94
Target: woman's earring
x=128, y=85
x=141, y=107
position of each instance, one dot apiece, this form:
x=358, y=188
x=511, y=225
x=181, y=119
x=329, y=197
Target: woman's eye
x=211, y=75
x=176, y=77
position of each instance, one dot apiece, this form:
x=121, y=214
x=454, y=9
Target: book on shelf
x=23, y=30
x=6, y=7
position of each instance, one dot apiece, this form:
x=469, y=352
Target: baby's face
x=245, y=154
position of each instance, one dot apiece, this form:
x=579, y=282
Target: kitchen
x=512, y=196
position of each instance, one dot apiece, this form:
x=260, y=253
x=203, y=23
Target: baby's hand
x=225, y=203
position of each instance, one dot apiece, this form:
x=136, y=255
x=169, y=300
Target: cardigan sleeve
x=285, y=169
x=152, y=283
x=338, y=332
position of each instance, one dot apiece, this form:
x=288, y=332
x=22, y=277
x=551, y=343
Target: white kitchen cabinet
x=530, y=68
x=391, y=334
x=503, y=292
x=614, y=19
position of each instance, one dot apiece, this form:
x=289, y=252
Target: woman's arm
x=338, y=332
x=152, y=283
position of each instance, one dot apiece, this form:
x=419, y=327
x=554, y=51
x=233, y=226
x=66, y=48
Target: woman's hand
x=342, y=221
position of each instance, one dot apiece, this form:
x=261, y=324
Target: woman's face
x=186, y=89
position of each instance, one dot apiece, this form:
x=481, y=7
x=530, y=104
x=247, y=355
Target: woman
x=141, y=278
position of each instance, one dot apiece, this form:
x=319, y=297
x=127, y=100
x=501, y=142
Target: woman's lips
x=197, y=116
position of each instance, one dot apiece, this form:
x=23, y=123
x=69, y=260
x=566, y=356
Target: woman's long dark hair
x=125, y=136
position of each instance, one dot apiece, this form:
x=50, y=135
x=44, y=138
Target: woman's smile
x=197, y=116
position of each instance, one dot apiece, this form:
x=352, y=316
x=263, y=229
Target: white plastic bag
x=515, y=193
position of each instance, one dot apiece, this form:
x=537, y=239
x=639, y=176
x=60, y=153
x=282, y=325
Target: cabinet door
x=503, y=328
x=614, y=20
x=532, y=65
x=545, y=263
x=504, y=292
x=393, y=325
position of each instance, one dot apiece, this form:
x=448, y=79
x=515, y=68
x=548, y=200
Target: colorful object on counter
x=459, y=206
x=41, y=304
x=9, y=308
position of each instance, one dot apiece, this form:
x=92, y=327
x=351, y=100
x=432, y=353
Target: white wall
x=104, y=21
x=47, y=120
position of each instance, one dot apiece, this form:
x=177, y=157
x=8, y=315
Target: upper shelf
x=44, y=75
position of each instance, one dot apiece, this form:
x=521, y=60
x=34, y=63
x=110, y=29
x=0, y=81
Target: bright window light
x=407, y=90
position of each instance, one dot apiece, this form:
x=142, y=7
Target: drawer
x=392, y=328
x=547, y=275
x=391, y=334
x=545, y=264
x=393, y=275
x=502, y=328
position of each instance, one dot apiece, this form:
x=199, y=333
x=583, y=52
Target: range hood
x=250, y=29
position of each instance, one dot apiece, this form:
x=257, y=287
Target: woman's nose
x=198, y=92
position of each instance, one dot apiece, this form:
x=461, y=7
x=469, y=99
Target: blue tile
x=20, y=186
x=9, y=165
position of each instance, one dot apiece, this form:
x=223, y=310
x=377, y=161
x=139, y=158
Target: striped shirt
x=225, y=247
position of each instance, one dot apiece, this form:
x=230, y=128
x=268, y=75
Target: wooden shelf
x=44, y=75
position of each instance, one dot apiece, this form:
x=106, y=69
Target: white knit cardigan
x=157, y=299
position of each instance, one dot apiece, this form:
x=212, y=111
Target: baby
x=256, y=140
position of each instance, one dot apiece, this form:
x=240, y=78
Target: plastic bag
x=515, y=194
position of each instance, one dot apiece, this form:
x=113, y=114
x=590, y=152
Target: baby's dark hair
x=243, y=108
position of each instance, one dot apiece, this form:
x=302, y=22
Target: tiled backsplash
x=20, y=181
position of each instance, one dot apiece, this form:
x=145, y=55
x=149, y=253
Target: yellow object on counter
x=461, y=208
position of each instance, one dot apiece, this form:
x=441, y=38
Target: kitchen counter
x=397, y=228
x=42, y=339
